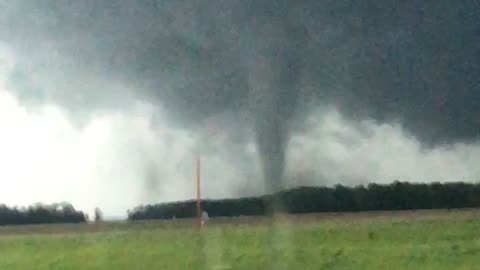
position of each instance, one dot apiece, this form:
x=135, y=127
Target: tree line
x=40, y=214
x=394, y=196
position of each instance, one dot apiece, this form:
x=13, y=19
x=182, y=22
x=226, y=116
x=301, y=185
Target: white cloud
x=116, y=160
x=335, y=151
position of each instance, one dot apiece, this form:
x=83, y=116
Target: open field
x=376, y=240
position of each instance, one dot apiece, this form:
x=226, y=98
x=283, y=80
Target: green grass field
x=451, y=241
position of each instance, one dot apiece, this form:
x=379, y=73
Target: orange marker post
x=199, y=208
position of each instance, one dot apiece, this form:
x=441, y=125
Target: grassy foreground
x=446, y=243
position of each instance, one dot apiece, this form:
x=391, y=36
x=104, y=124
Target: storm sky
x=107, y=103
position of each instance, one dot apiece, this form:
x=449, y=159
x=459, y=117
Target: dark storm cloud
x=264, y=62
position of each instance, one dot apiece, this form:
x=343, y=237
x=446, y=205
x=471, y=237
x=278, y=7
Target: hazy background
x=107, y=103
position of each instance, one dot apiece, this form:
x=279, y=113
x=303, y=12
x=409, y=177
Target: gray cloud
x=260, y=66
